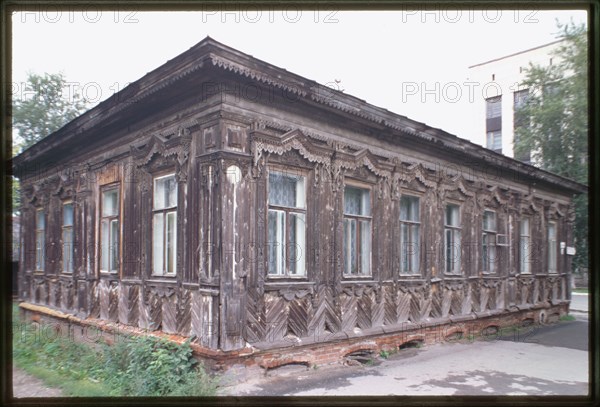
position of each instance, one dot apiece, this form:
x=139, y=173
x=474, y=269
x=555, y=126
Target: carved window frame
x=287, y=211
x=113, y=186
x=358, y=218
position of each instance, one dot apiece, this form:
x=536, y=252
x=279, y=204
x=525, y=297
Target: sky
x=399, y=60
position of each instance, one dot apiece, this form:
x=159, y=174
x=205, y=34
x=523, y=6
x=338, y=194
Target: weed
x=133, y=366
x=567, y=317
x=384, y=354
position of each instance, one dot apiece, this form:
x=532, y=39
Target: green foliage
x=567, y=317
x=384, y=354
x=134, y=366
x=557, y=128
x=46, y=103
x=149, y=366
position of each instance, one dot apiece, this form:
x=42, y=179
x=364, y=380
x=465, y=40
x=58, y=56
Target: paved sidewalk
x=553, y=360
x=579, y=302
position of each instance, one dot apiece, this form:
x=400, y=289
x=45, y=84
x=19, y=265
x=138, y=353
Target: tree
x=46, y=103
x=557, y=122
x=42, y=107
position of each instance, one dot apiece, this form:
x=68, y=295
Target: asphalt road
x=538, y=360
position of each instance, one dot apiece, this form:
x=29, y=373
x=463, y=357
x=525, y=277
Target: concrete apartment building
x=493, y=112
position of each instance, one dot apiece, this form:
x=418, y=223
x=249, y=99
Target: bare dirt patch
x=25, y=385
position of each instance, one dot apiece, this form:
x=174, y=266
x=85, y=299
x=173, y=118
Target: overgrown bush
x=148, y=366
x=133, y=366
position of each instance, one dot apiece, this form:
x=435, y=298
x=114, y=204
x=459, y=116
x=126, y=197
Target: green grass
x=133, y=366
x=567, y=318
x=581, y=290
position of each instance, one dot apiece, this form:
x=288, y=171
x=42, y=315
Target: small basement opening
x=362, y=356
x=527, y=322
x=415, y=343
x=455, y=336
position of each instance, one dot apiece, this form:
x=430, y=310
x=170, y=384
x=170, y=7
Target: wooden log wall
x=222, y=293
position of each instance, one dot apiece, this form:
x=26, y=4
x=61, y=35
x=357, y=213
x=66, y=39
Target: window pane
x=165, y=192
x=276, y=244
x=105, y=245
x=452, y=251
x=40, y=220
x=409, y=208
x=286, y=190
x=297, y=244
x=114, y=245
x=489, y=221
x=525, y=227
x=357, y=201
x=552, y=247
x=494, y=107
x=171, y=243
x=404, y=241
x=452, y=215
x=365, y=247
x=414, y=248
x=524, y=255
x=110, y=202
x=68, y=215
x=40, y=250
x=67, y=254
x=158, y=244
x=350, y=263
x=524, y=247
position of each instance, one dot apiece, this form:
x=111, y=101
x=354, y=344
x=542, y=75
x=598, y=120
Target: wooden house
x=274, y=218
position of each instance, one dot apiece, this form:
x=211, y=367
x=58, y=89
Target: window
x=452, y=239
x=164, y=226
x=489, y=242
x=286, y=225
x=40, y=240
x=525, y=246
x=357, y=231
x=409, y=234
x=552, y=247
x=67, y=238
x=109, y=230
x=493, y=123
x=494, y=140
x=494, y=107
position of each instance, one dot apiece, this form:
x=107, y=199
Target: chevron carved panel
x=325, y=317
x=184, y=312
x=403, y=307
x=113, y=301
x=104, y=298
x=348, y=303
x=363, y=312
x=437, y=300
x=377, y=308
x=299, y=311
x=390, y=298
x=255, y=317
x=276, y=317
x=169, y=313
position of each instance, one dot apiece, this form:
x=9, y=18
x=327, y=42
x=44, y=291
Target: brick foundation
x=53, y=323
